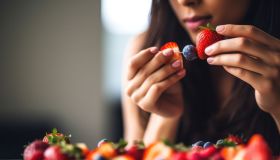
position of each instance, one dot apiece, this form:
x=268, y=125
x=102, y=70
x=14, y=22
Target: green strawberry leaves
x=208, y=26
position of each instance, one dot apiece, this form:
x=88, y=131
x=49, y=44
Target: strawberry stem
x=208, y=26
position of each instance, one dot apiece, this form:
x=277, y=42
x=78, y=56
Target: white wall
x=50, y=66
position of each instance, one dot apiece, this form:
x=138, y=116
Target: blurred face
x=194, y=13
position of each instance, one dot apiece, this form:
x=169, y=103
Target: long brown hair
x=202, y=119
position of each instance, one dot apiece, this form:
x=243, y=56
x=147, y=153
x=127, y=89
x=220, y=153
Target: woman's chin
x=193, y=37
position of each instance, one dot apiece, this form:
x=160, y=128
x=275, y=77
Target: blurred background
x=60, y=66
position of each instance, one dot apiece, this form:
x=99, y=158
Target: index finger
x=247, y=31
x=139, y=60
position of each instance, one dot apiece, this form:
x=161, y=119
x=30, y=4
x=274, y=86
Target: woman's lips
x=194, y=22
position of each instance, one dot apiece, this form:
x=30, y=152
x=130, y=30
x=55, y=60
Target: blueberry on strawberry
x=206, y=37
x=189, y=52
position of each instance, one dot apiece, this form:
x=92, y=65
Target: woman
x=236, y=91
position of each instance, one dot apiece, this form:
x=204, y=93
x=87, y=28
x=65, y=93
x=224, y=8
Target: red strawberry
x=35, y=150
x=158, y=150
x=197, y=148
x=208, y=152
x=235, y=139
x=257, y=149
x=135, y=152
x=55, y=153
x=92, y=155
x=83, y=148
x=123, y=157
x=194, y=156
x=217, y=156
x=55, y=137
x=174, y=46
x=205, y=38
x=180, y=156
x=229, y=153
x=105, y=150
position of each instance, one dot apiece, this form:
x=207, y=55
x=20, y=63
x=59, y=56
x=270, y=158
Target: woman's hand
x=153, y=82
x=253, y=56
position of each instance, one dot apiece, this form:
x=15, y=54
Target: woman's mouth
x=193, y=23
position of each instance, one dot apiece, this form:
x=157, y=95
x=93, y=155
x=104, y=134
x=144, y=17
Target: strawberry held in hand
x=174, y=46
x=206, y=37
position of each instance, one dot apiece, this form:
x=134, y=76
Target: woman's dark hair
x=203, y=119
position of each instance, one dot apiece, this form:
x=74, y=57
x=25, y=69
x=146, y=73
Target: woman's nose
x=189, y=2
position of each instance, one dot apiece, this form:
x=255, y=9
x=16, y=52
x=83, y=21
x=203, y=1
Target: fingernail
x=210, y=60
x=154, y=50
x=181, y=73
x=176, y=64
x=208, y=50
x=167, y=52
x=220, y=28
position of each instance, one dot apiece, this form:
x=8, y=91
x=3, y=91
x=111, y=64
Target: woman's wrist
x=160, y=128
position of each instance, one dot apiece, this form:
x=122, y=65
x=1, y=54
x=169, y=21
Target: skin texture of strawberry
x=235, y=139
x=228, y=153
x=124, y=157
x=35, y=150
x=257, y=149
x=174, y=46
x=208, y=152
x=105, y=150
x=54, y=153
x=205, y=38
x=194, y=156
x=135, y=152
x=158, y=150
x=180, y=156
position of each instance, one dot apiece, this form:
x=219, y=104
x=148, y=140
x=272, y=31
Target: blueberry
x=207, y=144
x=189, y=52
x=199, y=143
x=102, y=141
x=99, y=157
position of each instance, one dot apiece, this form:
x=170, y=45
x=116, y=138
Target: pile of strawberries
x=56, y=146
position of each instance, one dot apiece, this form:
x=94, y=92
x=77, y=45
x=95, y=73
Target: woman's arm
x=134, y=123
x=161, y=128
x=151, y=82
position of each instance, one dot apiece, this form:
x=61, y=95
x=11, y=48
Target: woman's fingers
x=148, y=102
x=247, y=31
x=244, y=45
x=245, y=62
x=254, y=79
x=159, y=60
x=156, y=77
x=140, y=59
x=154, y=64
